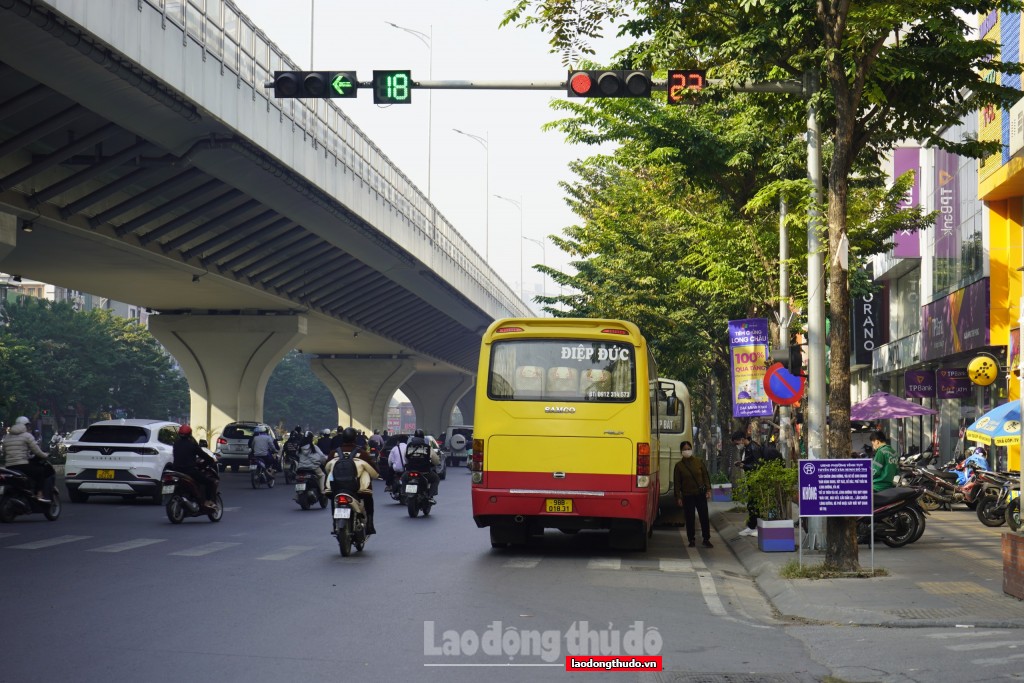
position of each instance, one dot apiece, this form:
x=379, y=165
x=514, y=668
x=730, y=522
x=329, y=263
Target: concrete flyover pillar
x=362, y=385
x=8, y=235
x=227, y=360
x=467, y=404
x=434, y=395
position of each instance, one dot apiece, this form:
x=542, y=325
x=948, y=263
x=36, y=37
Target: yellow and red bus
x=566, y=430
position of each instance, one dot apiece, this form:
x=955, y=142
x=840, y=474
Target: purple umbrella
x=883, y=406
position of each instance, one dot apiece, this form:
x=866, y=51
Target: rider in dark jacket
x=187, y=456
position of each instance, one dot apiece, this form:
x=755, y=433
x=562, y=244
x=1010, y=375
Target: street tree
x=890, y=72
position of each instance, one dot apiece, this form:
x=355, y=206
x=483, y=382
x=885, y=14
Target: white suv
x=120, y=458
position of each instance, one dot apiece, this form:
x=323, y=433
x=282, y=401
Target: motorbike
x=1000, y=490
x=290, y=465
x=260, y=474
x=940, y=487
x=17, y=496
x=416, y=491
x=349, y=523
x=897, y=518
x=181, y=496
x=307, y=490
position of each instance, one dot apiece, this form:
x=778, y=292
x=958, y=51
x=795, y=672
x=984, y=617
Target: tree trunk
x=841, y=548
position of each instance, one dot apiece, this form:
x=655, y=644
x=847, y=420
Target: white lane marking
x=204, y=549
x=984, y=646
x=707, y=582
x=286, y=552
x=605, y=563
x=671, y=565
x=233, y=509
x=967, y=634
x=36, y=545
x=522, y=562
x=127, y=545
x=9, y=533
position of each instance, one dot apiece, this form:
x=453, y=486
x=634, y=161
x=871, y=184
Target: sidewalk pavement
x=952, y=576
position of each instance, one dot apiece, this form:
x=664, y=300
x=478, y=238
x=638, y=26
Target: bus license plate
x=104, y=474
x=558, y=505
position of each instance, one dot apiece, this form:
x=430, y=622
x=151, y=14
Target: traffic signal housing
x=315, y=84
x=792, y=358
x=606, y=83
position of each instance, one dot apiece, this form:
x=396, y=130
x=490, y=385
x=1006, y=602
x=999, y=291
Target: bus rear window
x=563, y=370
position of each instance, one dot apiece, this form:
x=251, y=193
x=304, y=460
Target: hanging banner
x=748, y=351
x=906, y=243
x=953, y=383
x=919, y=383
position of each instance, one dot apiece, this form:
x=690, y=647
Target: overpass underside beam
x=434, y=395
x=227, y=360
x=363, y=386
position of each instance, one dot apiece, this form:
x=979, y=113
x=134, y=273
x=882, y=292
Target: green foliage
x=771, y=487
x=719, y=478
x=295, y=396
x=53, y=357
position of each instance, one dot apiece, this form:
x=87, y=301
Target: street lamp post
x=483, y=142
x=519, y=205
x=428, y=40
x=544, y=255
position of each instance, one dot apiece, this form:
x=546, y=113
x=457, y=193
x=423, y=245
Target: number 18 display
x=392, y=87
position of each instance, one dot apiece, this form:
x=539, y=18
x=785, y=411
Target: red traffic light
x=580, y=83
x=620, y=83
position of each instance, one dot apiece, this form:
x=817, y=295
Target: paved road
x=265, y=596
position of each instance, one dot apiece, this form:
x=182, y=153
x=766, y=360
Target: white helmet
x=325, y=432
x=21, y=420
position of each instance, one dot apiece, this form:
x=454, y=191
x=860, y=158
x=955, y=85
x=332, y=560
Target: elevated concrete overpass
x=141, y=159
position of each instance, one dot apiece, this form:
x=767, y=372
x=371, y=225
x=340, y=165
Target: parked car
x=120, y=458
x=233, y=443
x=442, y=469
x=457, y=445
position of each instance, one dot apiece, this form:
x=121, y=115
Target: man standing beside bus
x=693, y=491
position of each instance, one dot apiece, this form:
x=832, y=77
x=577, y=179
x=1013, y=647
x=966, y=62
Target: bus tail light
x=476, y=463
x=643, y=465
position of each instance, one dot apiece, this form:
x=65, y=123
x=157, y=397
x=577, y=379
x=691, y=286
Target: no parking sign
x=782, y=386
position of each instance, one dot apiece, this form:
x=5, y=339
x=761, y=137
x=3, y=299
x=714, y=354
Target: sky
x=521, y=161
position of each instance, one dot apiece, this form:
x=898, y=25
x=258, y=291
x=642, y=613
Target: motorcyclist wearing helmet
x=311, y=458
x=364, y=471
x=420, y=457
x=24, y=454
x=189, y=459
x=263, y=446
x=324, y=442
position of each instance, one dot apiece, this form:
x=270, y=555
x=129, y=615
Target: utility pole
x=814, y=414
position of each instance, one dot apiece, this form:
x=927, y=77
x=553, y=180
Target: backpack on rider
x=345, y=475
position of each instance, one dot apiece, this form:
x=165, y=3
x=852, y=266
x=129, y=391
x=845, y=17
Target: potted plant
x=721, y=488
x=772, y=489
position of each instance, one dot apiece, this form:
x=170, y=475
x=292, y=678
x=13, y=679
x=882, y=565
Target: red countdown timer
x=682, y=81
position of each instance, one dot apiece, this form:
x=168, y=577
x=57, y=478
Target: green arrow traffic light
x=344, y=84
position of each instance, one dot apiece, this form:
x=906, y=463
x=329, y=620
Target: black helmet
x=418, y=434
x=348, y=435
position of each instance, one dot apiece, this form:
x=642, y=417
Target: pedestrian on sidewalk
x=751, y=457
x=693, y=490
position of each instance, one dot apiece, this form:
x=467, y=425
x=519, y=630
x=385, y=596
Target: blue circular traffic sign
x=782, y=386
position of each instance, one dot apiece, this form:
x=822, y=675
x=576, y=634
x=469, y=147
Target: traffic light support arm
x=792, y=87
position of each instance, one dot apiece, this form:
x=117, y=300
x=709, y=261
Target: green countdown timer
x=392, y=87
